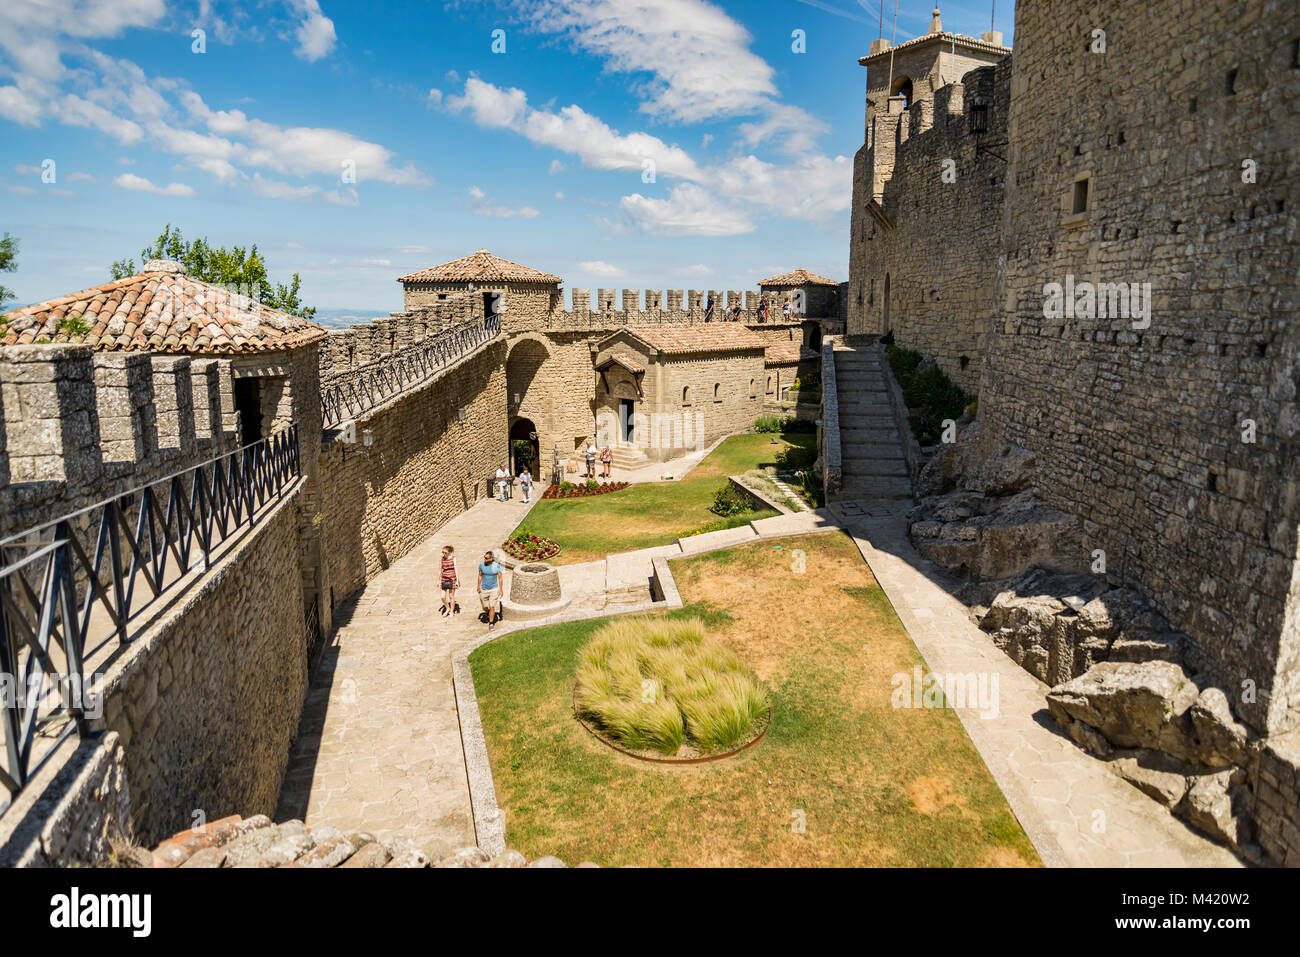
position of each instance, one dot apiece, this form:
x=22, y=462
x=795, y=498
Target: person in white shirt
x=787, y=310
x=503, y=482
x=591, y=459
x=526, y=483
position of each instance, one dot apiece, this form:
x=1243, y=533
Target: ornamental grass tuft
x=655, y=684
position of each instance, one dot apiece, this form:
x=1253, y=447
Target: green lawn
x=842, y=778
x=657, y=513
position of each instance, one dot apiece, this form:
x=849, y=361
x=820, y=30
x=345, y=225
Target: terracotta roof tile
x=480, y=266
x=787, y=353
x=683, y=338
x=626, y=361
x=161, y=310
x=944, y=38
x=800, y=277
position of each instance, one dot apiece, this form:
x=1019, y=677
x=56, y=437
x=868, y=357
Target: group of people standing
x=606, y=456
x=733, y=314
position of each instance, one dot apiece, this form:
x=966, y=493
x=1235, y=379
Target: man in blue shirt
x=489, y=588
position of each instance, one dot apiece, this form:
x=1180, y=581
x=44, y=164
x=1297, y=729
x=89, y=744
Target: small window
x=752, y=393
x=1230, y=87
x=686, y=393
x=769, y=385
x=1079, y=202
x=716, y=386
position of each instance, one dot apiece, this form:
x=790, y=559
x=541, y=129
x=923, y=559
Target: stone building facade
x=667, y=390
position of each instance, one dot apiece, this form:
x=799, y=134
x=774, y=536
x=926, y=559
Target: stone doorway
x=524, y=448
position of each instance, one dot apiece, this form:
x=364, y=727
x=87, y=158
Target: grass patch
x=657, y=684
x=929, y=394
x=658, y=513
x=872, y=784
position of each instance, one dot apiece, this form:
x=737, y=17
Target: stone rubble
x=257, y=842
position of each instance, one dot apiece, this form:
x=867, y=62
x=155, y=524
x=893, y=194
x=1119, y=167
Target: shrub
x=767, y=423
x=775, y=423
x=929, y=394
x=566, y=486
x=729, y=500
x=795, y=457
x=528, y=547
x=655, y=684
x=592, y=485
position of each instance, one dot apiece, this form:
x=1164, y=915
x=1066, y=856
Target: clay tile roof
x=789, y=353
x=683, y=338
x=625, y=360
x=480, y=266
x=800, y=277
x=160, y=310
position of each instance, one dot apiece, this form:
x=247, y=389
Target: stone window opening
x=686, y=395
x=902, y=87
x=769, y=385
x=1079, y=199
x=752, y=392
x=1295, y=54
x=1230, y=87
x=716, y=396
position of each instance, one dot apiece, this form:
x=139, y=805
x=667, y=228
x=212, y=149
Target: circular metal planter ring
x=705, y=759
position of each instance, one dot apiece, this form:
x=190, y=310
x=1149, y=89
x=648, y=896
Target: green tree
x=8, y=263
x=232, y=266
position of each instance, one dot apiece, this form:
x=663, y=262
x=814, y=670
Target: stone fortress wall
x=1168, y=439
x=1139, y=430
x=927, y=199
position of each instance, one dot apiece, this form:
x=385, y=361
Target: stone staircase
x=872, y=458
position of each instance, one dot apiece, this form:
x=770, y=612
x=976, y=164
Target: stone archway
x=524, y=431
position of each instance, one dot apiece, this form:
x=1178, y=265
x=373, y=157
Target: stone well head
x=535, y=584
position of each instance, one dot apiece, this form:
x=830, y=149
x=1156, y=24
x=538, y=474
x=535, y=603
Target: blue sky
x=641, y=143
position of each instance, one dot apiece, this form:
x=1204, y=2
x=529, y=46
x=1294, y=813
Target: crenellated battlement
x=348, y=350
x=73, y=420
x=925, y=133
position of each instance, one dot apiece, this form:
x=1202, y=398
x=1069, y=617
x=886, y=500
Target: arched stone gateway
x=524, y=448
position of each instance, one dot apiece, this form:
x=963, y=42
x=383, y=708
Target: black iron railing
x=72, y=587
x=358, y=392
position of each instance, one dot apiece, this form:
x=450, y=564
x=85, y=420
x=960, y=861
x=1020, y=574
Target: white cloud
x=572, y=130
x=434, y=99
x=698, y=56
x=140, y=184
x=80, y=177
x=556, y=167
x=20, y=190
x=24, y=169
x=377, y=262
x=415, y=250
x=699, y=269
x=275, y=189
x=315, y=34
x=688, y=211
x=30, y=30
x=598, y=268
x=559, y=196
x=481, y=208
x=20, y=105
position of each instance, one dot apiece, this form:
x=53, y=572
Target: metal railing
x=73, y=586
x=361, y=390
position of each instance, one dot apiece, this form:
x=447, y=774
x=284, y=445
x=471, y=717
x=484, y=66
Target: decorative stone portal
x=535, y=592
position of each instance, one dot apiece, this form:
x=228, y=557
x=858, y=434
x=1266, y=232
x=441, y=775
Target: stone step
x=883, y=434
x=875, y=467
x=875, y=487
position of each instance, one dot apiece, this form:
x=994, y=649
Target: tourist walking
x=526, y=483
x=503, y=482
x=708, y=310
x=450, y=581
x=787, y=310
x=606, y=461
x=735, y=313
x=591, y=459
x=489, y=588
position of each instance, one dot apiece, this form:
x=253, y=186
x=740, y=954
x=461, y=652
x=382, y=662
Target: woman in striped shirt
x=450, y=581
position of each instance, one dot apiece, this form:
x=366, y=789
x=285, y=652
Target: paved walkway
x=1075, y=810
x=380, y=747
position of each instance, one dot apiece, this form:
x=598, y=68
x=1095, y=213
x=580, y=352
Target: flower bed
x=530, y=548
x=570, y=490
